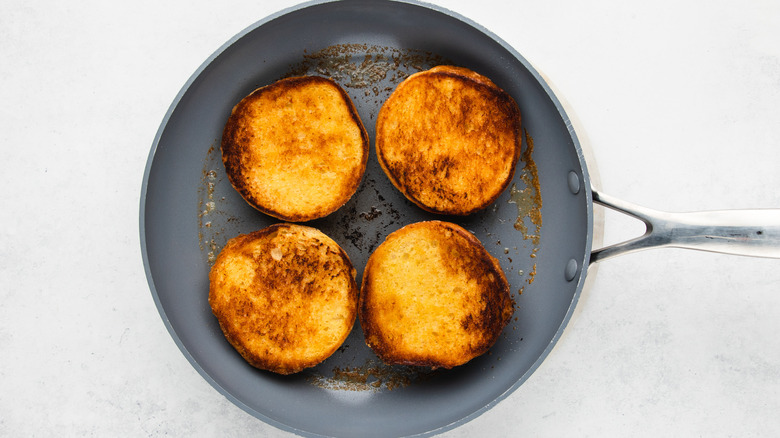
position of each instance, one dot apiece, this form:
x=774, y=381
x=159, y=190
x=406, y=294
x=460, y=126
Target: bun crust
x=433, y=296
x=296, y=149
x=285, y=296
x=449, y=139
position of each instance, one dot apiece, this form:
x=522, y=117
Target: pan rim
x=585, y=185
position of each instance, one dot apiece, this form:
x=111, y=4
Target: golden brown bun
x=449, y=139
x=295, y=149
x=433, y=296
x=285, y=296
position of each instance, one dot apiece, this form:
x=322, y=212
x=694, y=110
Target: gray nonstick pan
x=540, y=229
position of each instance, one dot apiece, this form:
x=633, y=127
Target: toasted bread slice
x=296, y=149
x=285, y=296
x=449, y=139
x=433, y=296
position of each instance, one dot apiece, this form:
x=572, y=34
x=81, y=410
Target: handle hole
x=620, y=227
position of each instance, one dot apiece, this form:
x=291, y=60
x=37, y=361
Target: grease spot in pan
x=374, y=69
x=373, y=376
x=212, y=216
x=528, y=200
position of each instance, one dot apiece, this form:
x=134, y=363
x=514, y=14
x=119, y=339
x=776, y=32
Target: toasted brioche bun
x=285, y=296
x=449, y=139
x=432, y=296
x=295, y=149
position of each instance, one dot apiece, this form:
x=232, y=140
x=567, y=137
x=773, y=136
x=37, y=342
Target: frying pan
x=189, y=210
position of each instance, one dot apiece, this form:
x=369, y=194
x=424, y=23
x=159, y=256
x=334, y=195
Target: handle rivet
x=571, y=270
x=574, y=182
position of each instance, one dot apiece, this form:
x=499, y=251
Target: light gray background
x=677, y=105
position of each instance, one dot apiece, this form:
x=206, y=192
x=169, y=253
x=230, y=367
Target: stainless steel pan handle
x=754, y=233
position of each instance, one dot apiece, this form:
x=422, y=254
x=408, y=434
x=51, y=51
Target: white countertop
x=677, y=105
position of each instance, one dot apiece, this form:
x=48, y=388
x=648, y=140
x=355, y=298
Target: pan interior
x=189, y=210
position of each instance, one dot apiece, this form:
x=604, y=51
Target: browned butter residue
x=206, y=207
x=528, y=199
x=529, y=203
x=374, y=69
x=213, y=215
x=371, y=376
